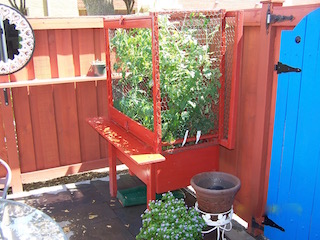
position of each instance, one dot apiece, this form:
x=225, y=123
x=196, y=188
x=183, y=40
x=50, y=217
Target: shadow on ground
x=85, y=210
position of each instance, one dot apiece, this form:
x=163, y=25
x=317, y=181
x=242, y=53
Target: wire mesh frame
x=226, y=104
x=200, y=21
x=230, y=81
x=129, y=22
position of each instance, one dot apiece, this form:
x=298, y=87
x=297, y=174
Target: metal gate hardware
x=273, y=18
x=283, y=68
x=255, y=224
x=268, y=222
x=5, y=93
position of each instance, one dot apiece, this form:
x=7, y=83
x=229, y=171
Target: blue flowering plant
x=170, y=218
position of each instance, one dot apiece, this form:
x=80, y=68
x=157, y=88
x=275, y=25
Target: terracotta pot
x=215, y=191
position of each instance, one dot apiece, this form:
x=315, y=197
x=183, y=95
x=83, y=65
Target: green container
x=138, y=196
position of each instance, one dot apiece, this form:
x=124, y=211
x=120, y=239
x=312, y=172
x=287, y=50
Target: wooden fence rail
x=53, y=138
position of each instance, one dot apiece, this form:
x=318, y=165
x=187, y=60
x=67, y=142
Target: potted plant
x=170, y=218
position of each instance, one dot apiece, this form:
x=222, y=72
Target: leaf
x=92, y=216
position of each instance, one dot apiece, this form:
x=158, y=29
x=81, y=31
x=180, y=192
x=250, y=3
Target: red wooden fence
x=250, y=160
x=54, y=140
x=52, y=135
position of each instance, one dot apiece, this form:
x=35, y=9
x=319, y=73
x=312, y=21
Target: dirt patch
x=66, y=179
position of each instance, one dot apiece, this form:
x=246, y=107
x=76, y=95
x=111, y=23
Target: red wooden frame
x=152, y=138
x=185, y=162
x=229, y=142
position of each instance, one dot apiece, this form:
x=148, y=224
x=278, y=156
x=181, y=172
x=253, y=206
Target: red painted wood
x=87, y=98
x=65, y=102
x=180, y=166
x=25, y=73
x=151, y=184
x=130, y=125
x=102, y=111
x=123, y=140
x=8, y=124
x=125, y=146
x=112, y=169
x=42, y=108
x=52, y=45
x=239, y=160
x=47, y=174
x=156, y=84
x=128, y=22
x=3, y=147
x=75, y=51
x=235, y=79
x=41, y=56
x=24, y=129
x=44, y=127
x=222, y=79
x=261, y=127
x=99, y=44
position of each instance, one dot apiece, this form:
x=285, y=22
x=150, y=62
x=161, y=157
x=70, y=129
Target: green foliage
x=169, y=218
x=188, y=83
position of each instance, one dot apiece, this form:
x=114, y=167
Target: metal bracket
x=255, y=224
x=5, y=93
x=268, y=222
x=272, y=18
x=283, y=68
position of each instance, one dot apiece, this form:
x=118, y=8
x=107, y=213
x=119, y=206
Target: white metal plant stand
x=223, y=222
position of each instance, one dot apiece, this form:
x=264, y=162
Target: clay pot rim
x=208, y=191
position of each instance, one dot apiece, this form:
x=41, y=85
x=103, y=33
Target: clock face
x=16, y=40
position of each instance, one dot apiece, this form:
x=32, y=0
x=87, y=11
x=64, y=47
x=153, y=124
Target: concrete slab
x=86, y=210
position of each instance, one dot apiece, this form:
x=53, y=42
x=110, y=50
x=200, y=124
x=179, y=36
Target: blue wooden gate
x=294, y=184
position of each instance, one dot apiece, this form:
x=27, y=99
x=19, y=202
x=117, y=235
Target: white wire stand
x=223, y=222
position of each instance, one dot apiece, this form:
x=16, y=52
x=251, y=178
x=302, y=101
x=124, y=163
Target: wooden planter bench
x=130, y=150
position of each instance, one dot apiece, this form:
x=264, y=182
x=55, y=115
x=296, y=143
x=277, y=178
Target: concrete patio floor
x=85, y=210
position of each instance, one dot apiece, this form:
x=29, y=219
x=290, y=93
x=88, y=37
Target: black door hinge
x=283, y=68
x=268, y=222
x=273, y=18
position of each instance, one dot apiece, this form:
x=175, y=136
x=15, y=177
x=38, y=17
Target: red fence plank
x=10, y=137
x=102, y=111
x=3, y=146
x=44, y=127
x=42, y=107
x=87, y=98
x=65, y=102
x=24, y=130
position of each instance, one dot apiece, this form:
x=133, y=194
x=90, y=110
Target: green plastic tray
x=138, y=196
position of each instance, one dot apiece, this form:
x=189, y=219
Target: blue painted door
x=294, y=184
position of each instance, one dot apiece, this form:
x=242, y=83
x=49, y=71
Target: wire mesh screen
x=190, y=53
x=230, y=36
x=190, y=57
x=131, y=62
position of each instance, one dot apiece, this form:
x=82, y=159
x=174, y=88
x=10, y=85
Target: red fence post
x=263, y=107
x=12, y=149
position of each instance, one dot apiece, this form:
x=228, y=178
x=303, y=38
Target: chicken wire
x=190, y=54
x=230, y=38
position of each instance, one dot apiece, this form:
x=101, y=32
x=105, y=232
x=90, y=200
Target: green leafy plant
x=189, y=83
x=170, y=218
